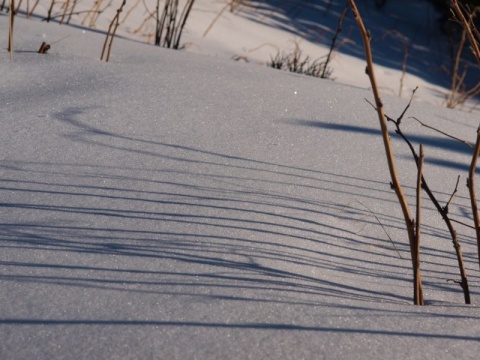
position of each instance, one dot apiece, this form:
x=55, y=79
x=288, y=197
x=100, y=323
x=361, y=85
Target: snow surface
x=257, y=31
x=172, y=205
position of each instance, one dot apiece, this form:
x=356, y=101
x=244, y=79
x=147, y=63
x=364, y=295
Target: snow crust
x=173, y=205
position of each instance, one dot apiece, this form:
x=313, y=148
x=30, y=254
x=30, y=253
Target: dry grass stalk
x=409, y=221
x=235, y=5
x=93, y=14
x=294, y=62
x=33, y=8
x=220, y=13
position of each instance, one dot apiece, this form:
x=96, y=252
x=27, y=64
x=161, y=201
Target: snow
x=175, y=205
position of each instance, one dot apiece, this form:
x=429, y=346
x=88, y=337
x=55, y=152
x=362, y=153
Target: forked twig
x=409, y=222
x=451, y=196
x=442, y=210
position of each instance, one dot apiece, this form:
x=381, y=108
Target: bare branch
x=417, y=276
x=409, y=222
x=451, y=197
x=471, y=188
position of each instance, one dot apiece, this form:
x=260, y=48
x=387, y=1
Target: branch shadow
x=211, y=225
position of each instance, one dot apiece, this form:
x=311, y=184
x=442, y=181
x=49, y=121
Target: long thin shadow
x=439, y=142
x=248, y=271
x=86, y=131
x=253, y=326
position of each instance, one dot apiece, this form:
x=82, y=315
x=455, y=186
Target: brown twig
x=44, y=47
x=115, y=22
x=49, y=13
x=181, y=23
x=334, y=40
x=220, y=13
x=443, y=212
x=471, y=188
x=457, y=81
x=467, y=27
x=409, y=222
x=10, y=29
x=451, y=196
x=417, y=276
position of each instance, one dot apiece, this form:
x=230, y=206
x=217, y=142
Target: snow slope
x=257, y=30
x=176, y=206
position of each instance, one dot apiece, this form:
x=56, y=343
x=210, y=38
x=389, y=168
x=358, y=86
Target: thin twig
x=117, y=21
x=181, y=23
x=451, y=197
x=399, y=120
x=467, y=27
x=334, y=40
x=441, y=210
x=220, y=13
x=114, y=25
x=443, y=133
x=471, y=188
x=418, y=299
x=10, y=28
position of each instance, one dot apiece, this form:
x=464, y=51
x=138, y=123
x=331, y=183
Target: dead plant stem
x=334, y=40
x=416, y=271
x=442, y=210
x=471, y=188
x=10, y=30
x=409, y=222
x=468, y=28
